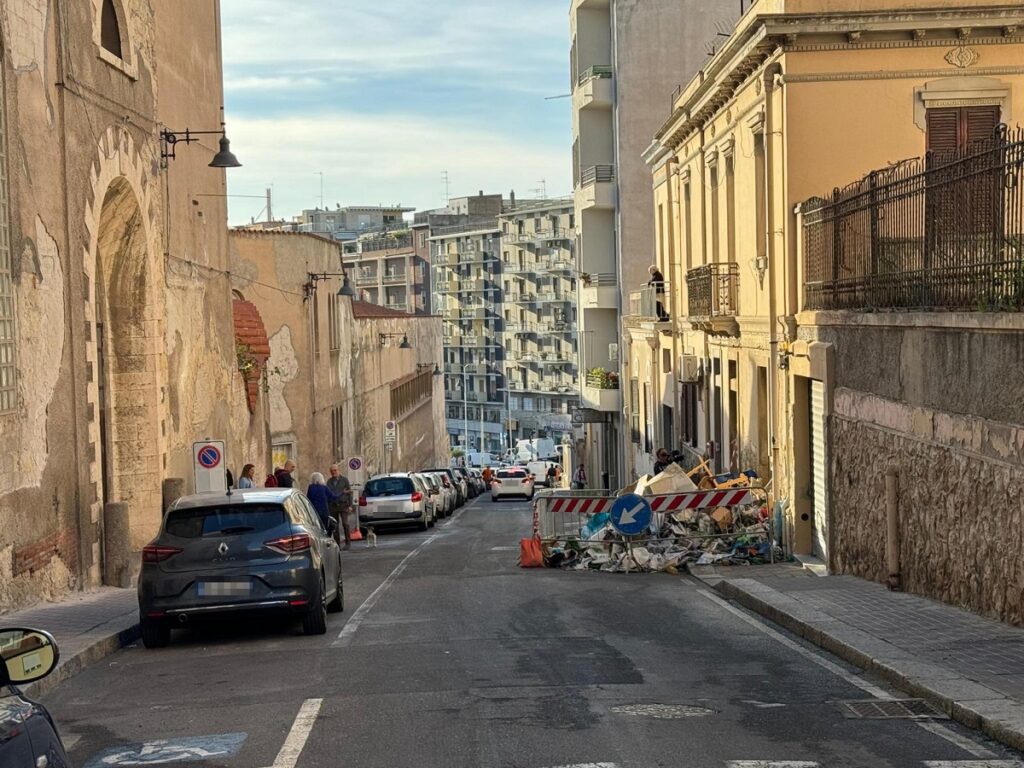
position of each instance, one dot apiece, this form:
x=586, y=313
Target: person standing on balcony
x=657, y=282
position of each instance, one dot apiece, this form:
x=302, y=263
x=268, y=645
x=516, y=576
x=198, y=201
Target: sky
x=383, y=96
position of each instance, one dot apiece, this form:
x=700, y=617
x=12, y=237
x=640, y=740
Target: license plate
x=224, y=588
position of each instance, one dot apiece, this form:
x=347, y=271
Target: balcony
x=553, y=296
x=522, y=328
x=395, y=277
x=446, y=286
x=477, y=313
x=398, y=306
x=596, y=190
x=643, y=307
x=599, y=291
x=557, y=265
x=451, y=314
x=366, y=278
x=511, y=268
x=601, y=392
x=712, y=292
x=521, y=297
x=541, y=358
x=594, y=89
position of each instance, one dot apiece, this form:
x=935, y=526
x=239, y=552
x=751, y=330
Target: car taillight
x=289, y=545
x=362, y=501
x=157, y=554
x=417, y=496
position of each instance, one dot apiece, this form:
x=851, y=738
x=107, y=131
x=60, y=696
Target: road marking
x=589, y=765
x=161, y=751
x=662, y=711
x=288, y=757
x=353, y=624
x=973, y=763
x=771, y=764
x=763, y=704
x=939, y=730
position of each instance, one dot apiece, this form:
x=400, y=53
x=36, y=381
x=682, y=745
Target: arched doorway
x=127, y=342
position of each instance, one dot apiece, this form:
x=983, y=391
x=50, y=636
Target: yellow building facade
x=803, y=98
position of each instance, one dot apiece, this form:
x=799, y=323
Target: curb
x=962, y=699
x=95, y=652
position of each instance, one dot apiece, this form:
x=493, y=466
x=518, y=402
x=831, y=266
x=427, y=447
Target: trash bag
x=531, y=554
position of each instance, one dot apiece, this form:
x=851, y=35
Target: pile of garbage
x=721, y=536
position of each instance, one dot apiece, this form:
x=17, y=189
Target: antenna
x=447, y=186
x=321, y=174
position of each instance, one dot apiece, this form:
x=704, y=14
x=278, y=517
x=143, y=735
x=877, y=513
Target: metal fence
x=941, y=232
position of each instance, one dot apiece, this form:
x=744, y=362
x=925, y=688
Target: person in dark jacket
x=321, y=497
x=284, y=476
x=657, y=282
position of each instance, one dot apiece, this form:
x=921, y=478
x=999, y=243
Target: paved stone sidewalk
x=87, y=626
x=969, y=666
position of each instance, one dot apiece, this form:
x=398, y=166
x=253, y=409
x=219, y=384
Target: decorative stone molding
x=960, y=91
x=963, y=57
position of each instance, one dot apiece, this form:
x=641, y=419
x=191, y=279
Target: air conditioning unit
x=689, y=368
x=613, y=352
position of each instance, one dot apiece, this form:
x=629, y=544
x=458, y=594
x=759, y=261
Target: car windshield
x=197, y=522
x=390, y=486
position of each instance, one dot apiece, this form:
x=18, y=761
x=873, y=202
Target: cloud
x=382, y=96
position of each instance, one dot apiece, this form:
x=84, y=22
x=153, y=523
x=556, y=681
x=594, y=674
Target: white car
x=449, y=496
x=514, y=481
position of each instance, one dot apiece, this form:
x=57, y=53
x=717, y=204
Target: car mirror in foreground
x=28, y=655
x=332, y=525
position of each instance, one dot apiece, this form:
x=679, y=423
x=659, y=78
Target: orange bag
x=530, y=553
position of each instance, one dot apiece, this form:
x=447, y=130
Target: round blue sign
x=209, y=456
x=631, y=514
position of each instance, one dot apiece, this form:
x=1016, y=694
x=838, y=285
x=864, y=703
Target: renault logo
x=223, y=548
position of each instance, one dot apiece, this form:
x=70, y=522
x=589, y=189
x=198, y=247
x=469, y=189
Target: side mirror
x=332, y=525
x=28, y=655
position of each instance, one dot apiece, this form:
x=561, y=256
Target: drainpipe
x=892, y=539
x=703, y=186
x=770, y=74
x=675, y=284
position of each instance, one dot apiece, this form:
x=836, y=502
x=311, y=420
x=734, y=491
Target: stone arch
x=124, y=314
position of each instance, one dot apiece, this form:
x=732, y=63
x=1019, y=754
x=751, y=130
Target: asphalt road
x=450, y=656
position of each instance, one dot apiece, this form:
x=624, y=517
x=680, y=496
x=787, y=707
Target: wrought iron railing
x=713, y=290
x=942, y=232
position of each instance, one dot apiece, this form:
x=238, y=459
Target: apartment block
x=387, y=270
x=539, y=317
x=626, y=60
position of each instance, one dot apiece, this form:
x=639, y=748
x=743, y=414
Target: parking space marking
x=939, y=730
x=162, y=751
x=288, y=757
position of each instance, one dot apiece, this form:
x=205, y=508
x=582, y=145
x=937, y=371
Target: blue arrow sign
x=631, y=514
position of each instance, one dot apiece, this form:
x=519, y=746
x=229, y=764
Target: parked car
x=398, y=498
x=253, y=551
x=478, y=480
x=448, y=492
x=438, y=499
x=514, y=481
x=28, y=735
x=539, y=469
x=460, y=490
x=470, y=486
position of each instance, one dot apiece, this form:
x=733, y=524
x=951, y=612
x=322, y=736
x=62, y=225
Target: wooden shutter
x=943, y=130
x=979, y=123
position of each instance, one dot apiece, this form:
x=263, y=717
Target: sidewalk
x=87, y=626
x=970, y=667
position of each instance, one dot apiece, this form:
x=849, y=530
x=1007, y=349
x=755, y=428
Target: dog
x=371, y=538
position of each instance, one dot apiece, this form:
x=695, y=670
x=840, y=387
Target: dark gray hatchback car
x=249, y=552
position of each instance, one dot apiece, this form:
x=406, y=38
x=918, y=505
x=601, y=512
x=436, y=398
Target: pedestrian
x=284, y=476
x=271, y=479
x=662, y=462
x=248, y=478
x=487, y=476
x=657, y=282
x=321, y=497
x=579, y=478
x=552, y=476
x=341, y=509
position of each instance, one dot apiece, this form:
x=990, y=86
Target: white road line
x=973, y=763
x=770, y=764
x=589, y=765
x=353, y=624
x=288, y=757
x=932, y=727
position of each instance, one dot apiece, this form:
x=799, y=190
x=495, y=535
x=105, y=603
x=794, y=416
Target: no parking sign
x=208, y=466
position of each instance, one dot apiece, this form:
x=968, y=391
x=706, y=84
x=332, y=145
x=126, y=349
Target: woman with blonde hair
x=320, y=496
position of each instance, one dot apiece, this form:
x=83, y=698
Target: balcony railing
x=597, y=174
x=595, y=71
x=712, y=293
x=644, y=303
x=942, y=232
x=602, y=380
x=398, y=306
x=364, y=278
x=397, y=276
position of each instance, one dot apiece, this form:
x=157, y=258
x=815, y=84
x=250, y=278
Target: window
x=688, y=224
x=730, y=208
x=634, y=409
x=333, y=331
x=714, y=193
x=952, y=129
x=110, y=29
x=8, y=327
x=338, y=431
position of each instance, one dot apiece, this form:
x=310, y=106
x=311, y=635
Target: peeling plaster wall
x=67, y=147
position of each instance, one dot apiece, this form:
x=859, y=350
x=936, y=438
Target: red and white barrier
x=673, y=502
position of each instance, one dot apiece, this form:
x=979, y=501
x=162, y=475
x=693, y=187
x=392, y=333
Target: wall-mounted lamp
x=313, y=277
x=760, y=265
x=424, y=366
x=169, y=140
x=385, y=337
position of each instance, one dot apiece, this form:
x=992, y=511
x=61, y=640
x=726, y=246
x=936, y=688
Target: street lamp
x=465, y=405
x=385, y=337
x=169, y=140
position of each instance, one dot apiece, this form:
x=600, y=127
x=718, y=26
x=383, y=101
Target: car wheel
x=424, y=522
x=314, y=621
x=155, y=633
x=337, y=605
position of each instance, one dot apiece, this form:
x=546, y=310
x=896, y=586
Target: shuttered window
x=956, y=128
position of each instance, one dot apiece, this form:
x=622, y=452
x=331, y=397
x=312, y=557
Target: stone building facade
x=800, y=339
x=116, y=319
x=335, y=371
